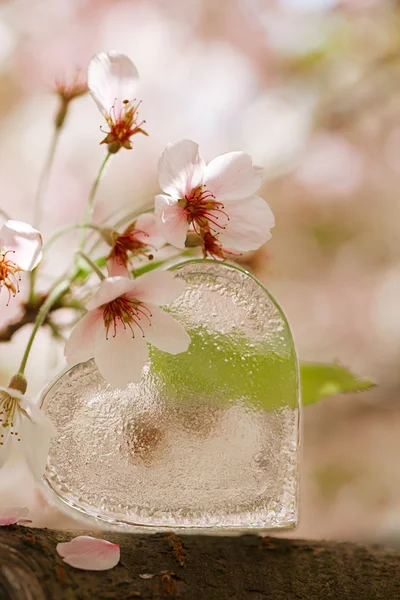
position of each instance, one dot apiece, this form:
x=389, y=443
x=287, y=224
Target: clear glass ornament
x=208, y=439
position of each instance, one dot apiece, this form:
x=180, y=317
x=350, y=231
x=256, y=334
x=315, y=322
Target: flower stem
x=44, y=177
x=51, y=299
x=91, y=264
x=92, y=195
x=4, y=214
x=38, y=201
x=57, y=234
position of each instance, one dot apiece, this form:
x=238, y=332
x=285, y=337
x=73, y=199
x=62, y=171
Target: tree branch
x=197, y=567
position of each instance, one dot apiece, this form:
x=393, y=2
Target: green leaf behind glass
x=321, y=380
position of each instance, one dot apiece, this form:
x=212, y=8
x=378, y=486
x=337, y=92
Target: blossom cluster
x=213, y=209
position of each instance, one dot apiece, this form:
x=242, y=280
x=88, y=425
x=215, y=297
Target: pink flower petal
x=112, y=78
x=10, y=515
x=166, y=333
x=147, y=224
x=24, y=241
x=232, y=176
x=116, y=269
x=157, y=287
x=108, y=290
x=180, y=168
x=172, y=221
x=88, y=553
x=120, y=358
x=250, y=222
x=80, y=344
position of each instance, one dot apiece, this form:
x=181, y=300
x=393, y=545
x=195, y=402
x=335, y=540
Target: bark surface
x=198, y=568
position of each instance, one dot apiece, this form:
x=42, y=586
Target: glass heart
x=207, y=439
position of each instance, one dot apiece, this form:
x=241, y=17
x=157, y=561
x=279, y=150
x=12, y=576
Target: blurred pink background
x=310, y=88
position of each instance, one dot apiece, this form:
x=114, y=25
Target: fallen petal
x=10, y=515
x=88, y=553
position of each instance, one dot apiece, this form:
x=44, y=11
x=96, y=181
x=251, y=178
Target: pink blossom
x=12, y=515
x=137, y=238
x=217, y=199
x=113, y=81
x=20, y=250
x=89, y=553
x=123, y=316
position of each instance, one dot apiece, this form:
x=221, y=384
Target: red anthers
x=212, y=247
x=126, y=310
x=122, y=127
x=203, y=211
x=9, y=274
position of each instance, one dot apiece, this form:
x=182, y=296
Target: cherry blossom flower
x=22, y=423
x=113, y=81
x=13, y=515
x=136, y=239
x=89, y=553
x=217, y=200
x=20, y=250
x=123, y=315
x=67, y=90
x=72, y=87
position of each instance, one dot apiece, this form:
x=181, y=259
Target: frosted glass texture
x=207, y=439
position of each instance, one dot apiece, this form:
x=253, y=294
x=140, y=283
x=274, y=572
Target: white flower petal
x=147, y=231
x=108, y=290
x=171, y=220
x=157, y=287
x=166, y=333
x=12, y=392
x=180, y=168
x=80, y=344
x=88, y=553
x=112, y=78
x=249, y=225
x=120, y=358
x=25, y=242
x=232, y=176
x=10, y=515
x=35, y=433
x=5, y=445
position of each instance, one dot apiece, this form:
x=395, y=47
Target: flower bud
x=18, y=382
x=109, y=235
x=113, y=147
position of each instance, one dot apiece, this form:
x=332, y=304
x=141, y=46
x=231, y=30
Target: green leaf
x=219, y=368
x=320, y=380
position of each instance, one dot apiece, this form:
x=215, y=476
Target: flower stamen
x=9, y=274
x=203, y=211
x=128, y=312
x=127, y=242
x=9, y=407
x=123, y=125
